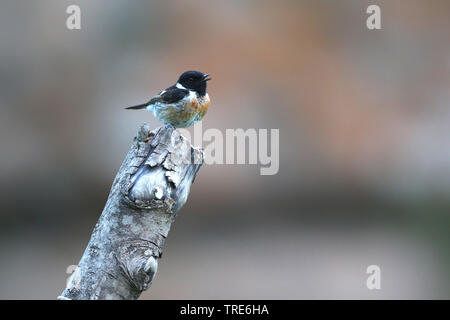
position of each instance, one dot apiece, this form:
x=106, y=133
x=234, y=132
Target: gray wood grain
x=152, y=184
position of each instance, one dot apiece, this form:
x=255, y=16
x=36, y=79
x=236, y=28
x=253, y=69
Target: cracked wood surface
x=152, y=184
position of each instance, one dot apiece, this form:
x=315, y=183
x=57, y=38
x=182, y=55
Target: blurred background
x=364, y=119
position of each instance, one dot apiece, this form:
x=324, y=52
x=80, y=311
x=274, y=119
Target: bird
x=182, y=104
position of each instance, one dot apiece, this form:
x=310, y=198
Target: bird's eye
x=191, y=79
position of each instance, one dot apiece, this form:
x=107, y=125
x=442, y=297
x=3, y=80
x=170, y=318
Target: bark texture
x=152, y=184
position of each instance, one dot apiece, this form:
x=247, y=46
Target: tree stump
x=152, y=184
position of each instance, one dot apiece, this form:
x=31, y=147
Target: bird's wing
x=170, y=95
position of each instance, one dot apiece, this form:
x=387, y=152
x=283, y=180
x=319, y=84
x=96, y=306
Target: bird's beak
x=205, y=77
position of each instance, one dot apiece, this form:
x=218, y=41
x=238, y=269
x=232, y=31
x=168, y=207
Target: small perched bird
x=182, y=104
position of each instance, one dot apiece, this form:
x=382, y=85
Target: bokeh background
x=364, y=119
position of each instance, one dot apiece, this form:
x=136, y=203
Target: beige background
x=364, y=119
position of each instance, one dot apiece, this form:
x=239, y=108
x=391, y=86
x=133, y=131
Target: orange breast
x=194, y=109
x=203, y=104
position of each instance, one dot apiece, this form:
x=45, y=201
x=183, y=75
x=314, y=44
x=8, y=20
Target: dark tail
x=139, y=106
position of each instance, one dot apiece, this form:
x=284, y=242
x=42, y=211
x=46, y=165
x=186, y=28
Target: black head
x=194, y=80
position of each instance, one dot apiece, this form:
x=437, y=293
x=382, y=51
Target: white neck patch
x=180, y=86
